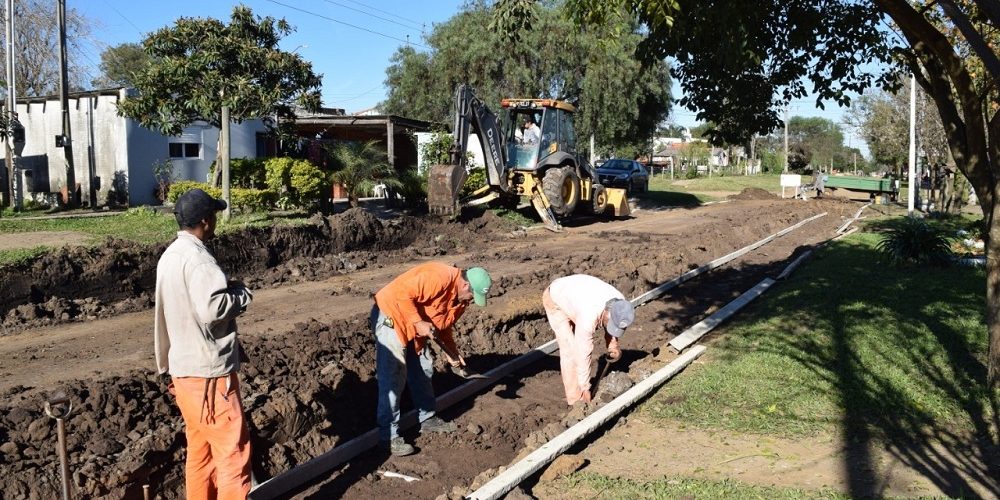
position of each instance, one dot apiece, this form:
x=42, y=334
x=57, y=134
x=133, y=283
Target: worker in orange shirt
x=419, y=305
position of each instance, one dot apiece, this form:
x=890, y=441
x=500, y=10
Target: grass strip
x=846, y=344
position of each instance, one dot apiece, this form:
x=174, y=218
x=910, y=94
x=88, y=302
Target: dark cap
x=195, y=206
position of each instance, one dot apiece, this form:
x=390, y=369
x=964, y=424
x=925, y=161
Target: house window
x=185, y=150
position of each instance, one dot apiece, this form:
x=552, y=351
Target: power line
x=348, y=24
x=123, y=17
x=390, y=14
x=375, y=16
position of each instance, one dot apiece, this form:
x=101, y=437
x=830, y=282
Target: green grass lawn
x=587, y=485
x=688, y=192
x=731, y=183
x=848, y=345
x=142, y=225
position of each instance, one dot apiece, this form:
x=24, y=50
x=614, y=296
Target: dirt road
x=309, y=383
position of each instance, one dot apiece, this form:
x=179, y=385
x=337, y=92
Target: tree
x=200, y=65
x=120, y=64
x=543, y=55
x=883, y=119
x=360, y=166
x=36, y=43
x=739, y=65
x=820, y=139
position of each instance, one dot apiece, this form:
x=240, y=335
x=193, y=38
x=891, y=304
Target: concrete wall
x=98, y=138
x=122, y=149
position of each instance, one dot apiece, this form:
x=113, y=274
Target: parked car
x=628, y=174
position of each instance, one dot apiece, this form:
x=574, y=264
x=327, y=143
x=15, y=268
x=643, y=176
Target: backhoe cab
x=530, y=151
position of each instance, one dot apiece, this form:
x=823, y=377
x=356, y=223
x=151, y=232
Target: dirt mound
x=119, y=276
x=752, y=194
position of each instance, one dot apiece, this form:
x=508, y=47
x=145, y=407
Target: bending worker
x=576, y=307
x=418, y=306
x=195, y=342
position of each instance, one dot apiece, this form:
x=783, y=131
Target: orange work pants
x=218, y=441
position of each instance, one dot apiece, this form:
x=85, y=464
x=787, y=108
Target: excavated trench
x=310, y=385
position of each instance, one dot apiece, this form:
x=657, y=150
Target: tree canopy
x=740, y=62
x=201, y=64
x=543, y=55
x=883, y=117
x=120, y=64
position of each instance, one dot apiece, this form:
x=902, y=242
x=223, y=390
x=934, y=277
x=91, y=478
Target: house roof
x=116, y=91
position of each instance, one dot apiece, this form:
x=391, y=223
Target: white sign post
x=790, y=180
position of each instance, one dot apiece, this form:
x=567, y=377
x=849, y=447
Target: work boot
x=398, y=447
x=435, y=424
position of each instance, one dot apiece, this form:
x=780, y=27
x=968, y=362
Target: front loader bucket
x=443, y=185
x=618, y=202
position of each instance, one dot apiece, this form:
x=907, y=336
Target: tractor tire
x=562, y=187
x=599, y=202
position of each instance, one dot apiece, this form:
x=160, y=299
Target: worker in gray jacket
x=196, y=343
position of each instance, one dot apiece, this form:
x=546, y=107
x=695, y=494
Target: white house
x=112, y=152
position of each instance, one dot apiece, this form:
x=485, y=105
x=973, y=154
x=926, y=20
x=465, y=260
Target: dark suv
x=628, y=174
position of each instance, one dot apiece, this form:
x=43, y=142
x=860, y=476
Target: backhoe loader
x=540, y=164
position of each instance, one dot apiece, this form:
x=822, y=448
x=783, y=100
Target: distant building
x=113, y=154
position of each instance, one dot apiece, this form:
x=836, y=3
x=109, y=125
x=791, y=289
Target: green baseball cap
x=479, y=281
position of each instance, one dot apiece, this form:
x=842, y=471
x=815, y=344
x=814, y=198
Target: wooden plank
x=691, y=335
x=537, y=459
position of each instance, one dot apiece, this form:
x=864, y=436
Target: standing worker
x=419, y=305
x=576, y=307
x=195, y=342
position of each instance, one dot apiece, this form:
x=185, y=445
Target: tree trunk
x=993, y=295
x=353, y=200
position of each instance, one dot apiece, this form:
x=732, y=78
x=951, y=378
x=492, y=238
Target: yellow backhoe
x=538, y=161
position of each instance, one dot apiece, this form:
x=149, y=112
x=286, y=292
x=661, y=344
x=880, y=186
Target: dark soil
x=310, y=385
x=86, y=283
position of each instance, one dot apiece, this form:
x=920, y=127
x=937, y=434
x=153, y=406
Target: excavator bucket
x=618, y=202
x=545, y=212
x=443, y=185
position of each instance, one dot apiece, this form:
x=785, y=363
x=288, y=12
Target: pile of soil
x=752, y=194
x=79, y=283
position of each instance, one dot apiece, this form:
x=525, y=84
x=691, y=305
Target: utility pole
x=910, y=190
x=73, y=197
x=753, y=154
x=786, y=138
x=12, y=190
x=224, y=164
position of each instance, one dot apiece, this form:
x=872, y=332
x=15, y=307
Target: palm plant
x=359, y=166
x=913, y=241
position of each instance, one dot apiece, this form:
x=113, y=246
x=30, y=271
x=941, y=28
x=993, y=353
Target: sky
x=349, y=42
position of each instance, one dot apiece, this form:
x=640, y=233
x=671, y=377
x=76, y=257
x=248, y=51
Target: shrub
x=180, y=187
x=475, y=180
x=413, y=186
x=692, y=173
x=163, y=173
x=244, y=173
x=253, y=200
x=298, y=181
x=913, y=241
